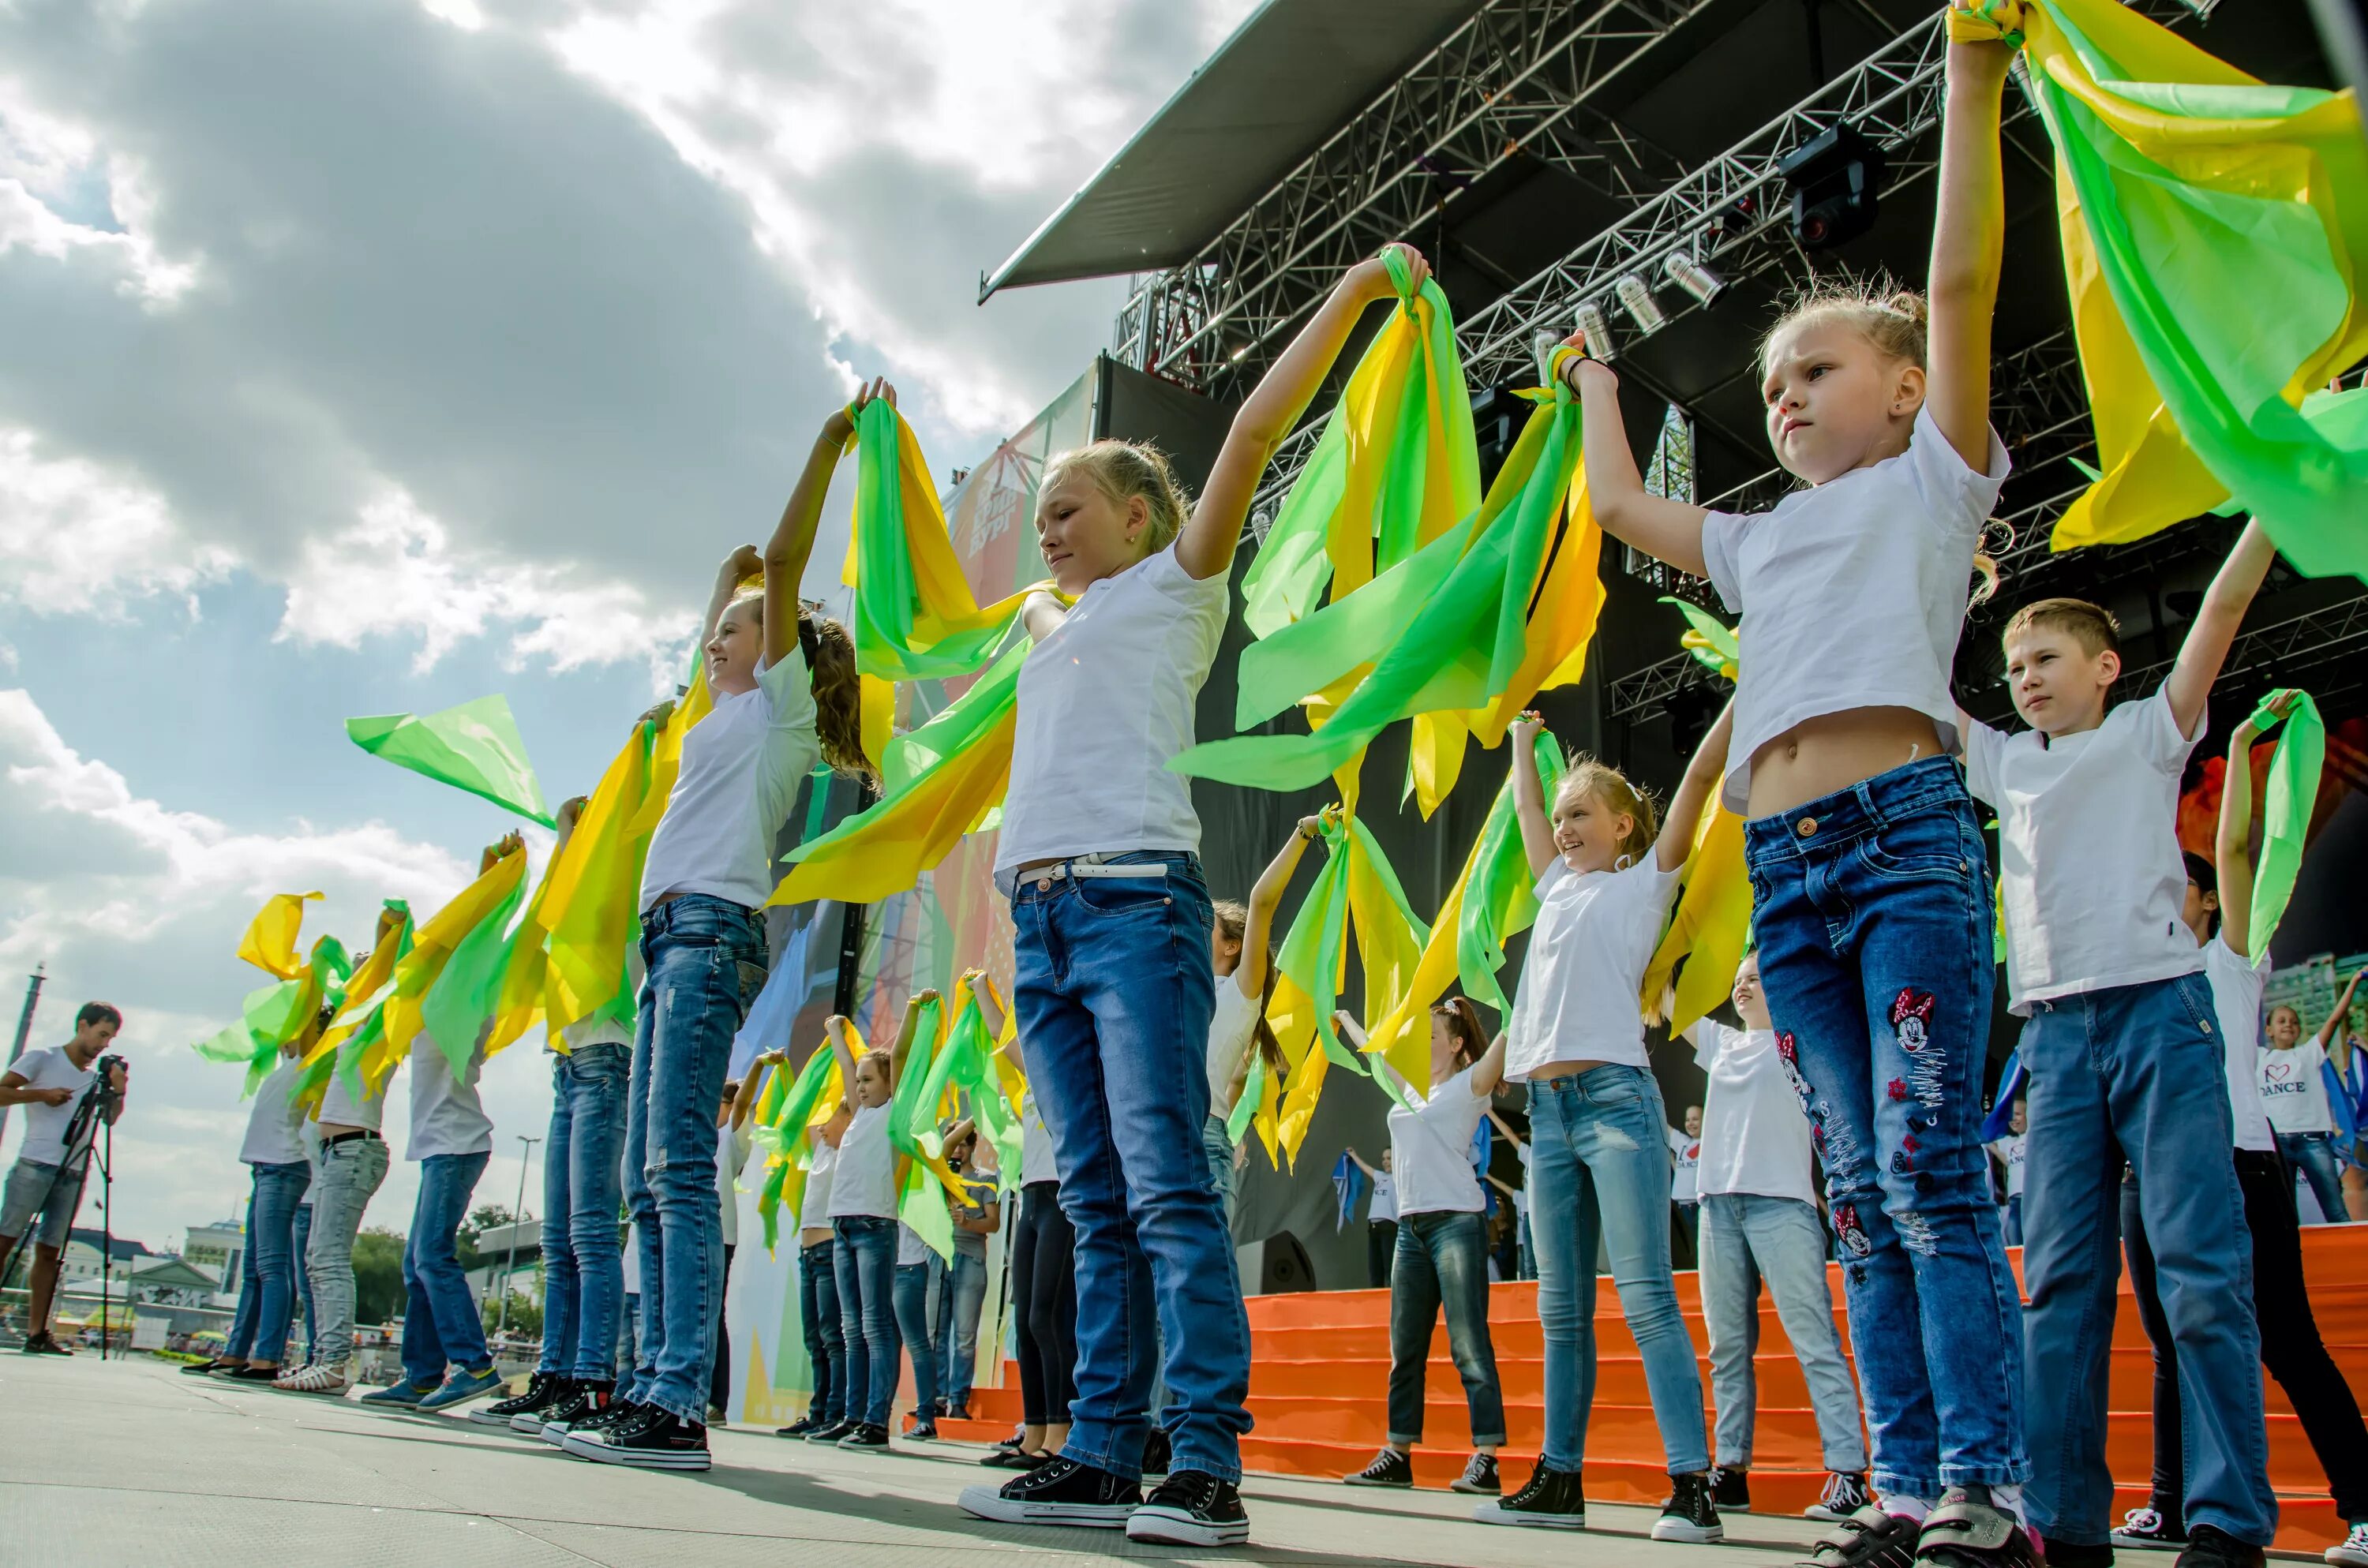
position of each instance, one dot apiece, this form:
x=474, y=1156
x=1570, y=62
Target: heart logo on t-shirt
x=2280, y=1070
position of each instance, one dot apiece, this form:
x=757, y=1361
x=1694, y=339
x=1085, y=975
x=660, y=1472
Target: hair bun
x=1911, y=304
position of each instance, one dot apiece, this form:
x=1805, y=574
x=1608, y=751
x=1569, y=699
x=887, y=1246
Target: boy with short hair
x=2125, y=1061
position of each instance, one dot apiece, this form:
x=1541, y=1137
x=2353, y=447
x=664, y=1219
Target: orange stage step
x=1319, y=1376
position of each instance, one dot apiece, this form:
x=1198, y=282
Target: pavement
x=128, y=1461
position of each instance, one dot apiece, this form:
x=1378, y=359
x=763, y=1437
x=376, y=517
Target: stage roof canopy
x=1289, y=77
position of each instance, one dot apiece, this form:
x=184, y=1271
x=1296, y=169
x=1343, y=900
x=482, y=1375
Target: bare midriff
x=1566, y=1069
x=1834, y=751
x=337, y=1129
x=814, y=1235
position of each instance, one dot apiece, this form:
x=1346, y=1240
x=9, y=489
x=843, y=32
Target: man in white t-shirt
x=2009, y=1153
x=45, y=1184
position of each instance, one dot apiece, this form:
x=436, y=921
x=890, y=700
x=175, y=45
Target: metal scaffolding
x=1517, y=79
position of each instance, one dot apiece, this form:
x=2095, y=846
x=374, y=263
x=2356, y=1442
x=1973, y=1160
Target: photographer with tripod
x=67, y=1091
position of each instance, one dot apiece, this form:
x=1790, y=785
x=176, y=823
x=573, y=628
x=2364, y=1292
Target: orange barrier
x=1320, y=1364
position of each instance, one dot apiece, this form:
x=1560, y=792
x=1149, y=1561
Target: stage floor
x=131, y=1463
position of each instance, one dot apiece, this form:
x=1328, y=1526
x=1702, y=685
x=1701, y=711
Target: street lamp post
x=518, y=1218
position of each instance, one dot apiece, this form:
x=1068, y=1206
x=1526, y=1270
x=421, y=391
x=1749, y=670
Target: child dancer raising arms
x=1113, y=989
x=1872, y=906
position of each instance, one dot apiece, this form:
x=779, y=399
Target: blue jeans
x=918, y=1290
x=1872, y=910
x=818, y=1316
x=1115, y=993
x=965, y=1297
x=1748, y=1237
x=271, y=1257
x=241, y=1342
x=2010, y=1220
x=705, y=962
x=865, y=1264
x=583, y=1270
x=1599, y=1177
x=2132, y=1071
x=1442, y=1261
x=1220, y=1149
x=441, y=1325
x=2315, y=1153
x=304, y=1240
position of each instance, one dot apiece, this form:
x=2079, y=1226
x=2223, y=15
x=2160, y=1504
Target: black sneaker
x=1390, y=1467
x=1731, y=1489
x=1968, y=1530
x=958, y=1410
x=43, y=1343
x=2150, y=1529
x=833, y=1433
x=655, y=1439
x=1868, y=1538
x=251, y=1375
x=615, y=1412
x=1845, y=1494
x=1191, y=1508
x=2209, y=1546
x=1000, y=1457
x=920, y=1428
x=801, y=1426
x=544, y=1391
x=1550, y=1499
x=200, y=1369
x=1690, y=1514
x=1479, y=1478
x=865, y=1435
x=1157, y=1455
x=1058, y=1492
x=585, y=1400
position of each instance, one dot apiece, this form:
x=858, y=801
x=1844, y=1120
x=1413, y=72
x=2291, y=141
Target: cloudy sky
x=366, y=356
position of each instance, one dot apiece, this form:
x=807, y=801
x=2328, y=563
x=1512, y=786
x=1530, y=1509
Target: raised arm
x=904, y=1036
x=2208, y=639
x=1695, y=792
x=793, y=542
x=1529, y=795
x=1489, y=1071
x=2332, y=1036
x=752, y=1084
x=1266, y=897
x=1205, y=549
x=1359, y=1161
x=838, y=1029
x=1669, y=530
x=1968, y=240
x=2232, y=840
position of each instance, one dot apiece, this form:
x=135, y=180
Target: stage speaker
x=1285, y=1267
x=1836, y=178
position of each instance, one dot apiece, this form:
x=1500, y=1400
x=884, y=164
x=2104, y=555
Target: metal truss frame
x=1516, y=78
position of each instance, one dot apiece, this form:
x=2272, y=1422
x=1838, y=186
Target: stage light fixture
x=1836, y=178
x=1636, y=299
x=1591, y=320
x=1692, y=276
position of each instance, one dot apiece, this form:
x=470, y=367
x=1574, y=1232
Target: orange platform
x=1320, y=1364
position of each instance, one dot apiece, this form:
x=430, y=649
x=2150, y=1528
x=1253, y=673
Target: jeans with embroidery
x=2136, y=1072
x=705, y=960
x=1114, y=995
x=582, y=1267
x=1599, y=1181
x=1872, y=915
x=441, y=1325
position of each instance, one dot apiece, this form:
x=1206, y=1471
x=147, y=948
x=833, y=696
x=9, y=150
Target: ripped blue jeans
x=1872, y=910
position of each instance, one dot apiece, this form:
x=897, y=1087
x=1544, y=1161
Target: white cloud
x=74, y=538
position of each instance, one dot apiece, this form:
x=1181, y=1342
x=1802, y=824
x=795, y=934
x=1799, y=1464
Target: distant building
x=220, y=1250
x=80, y=1260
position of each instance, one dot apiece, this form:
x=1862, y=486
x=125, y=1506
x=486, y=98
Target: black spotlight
x=1835, y=179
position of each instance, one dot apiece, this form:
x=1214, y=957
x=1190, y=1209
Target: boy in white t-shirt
x=2123, y=1052
x=2008, y=1152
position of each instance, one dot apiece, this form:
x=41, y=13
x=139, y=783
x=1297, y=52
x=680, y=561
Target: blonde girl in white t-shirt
x=1872, y=905
x=863, y=1193
x=1113, y=987
x=1598, y=1133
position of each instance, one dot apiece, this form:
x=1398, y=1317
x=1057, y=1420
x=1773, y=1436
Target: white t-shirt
x=2010, y=1150
x=814, y=1215
x=1385, y=1204
x=50, y=1067
x=742, y=766
x=447, y=1117
x=2292, y=1089
x=1521, y=1193
x=1104, y=702
x=1860, y=585
x=866, y=1182
x=271, y=1135
x=1430, y=1149
x=1594, y=933
x=1685, y=1166
x=340, y=1108
x=730, y=1159
x=1036, y=1163
x=2091, y=874
x=1231, y=1029
x=2236, y=1001
x=599, y=1030
x=1755, y=1138
x=910, y=1247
